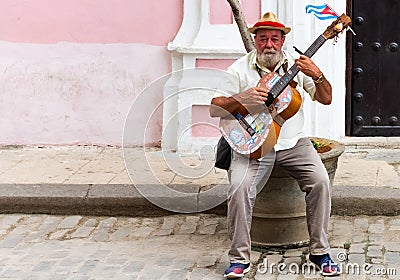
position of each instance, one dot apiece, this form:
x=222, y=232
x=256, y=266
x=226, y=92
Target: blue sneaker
x=237, y=270
x=325, y=264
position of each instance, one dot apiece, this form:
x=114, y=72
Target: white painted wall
x=197, y=38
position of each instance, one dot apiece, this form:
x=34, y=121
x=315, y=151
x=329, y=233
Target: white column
x=196, y=39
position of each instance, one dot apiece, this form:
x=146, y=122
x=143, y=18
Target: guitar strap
x=272, y=110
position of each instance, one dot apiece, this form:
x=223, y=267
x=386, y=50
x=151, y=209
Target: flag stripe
x=321, y=12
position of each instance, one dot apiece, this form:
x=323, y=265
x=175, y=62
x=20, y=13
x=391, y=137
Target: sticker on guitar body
x=250, y=143
x=271, y=79
x=258, y=124
x=237, y=137
x=283, y=100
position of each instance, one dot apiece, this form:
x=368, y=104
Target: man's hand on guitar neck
x=308, y=67
x=252, y=99
x=323, y=93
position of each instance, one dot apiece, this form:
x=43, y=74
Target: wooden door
x=373, y=69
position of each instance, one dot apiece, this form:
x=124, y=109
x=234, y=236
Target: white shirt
x=244, y=75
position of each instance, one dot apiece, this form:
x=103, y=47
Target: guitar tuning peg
x=339, y=27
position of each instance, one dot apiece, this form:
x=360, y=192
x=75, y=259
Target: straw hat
x=269, y=21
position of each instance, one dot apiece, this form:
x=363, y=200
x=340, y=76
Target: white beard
x=269, y=58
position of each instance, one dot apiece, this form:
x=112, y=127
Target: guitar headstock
x=337, y=27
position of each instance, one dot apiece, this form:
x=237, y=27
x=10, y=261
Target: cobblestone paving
x=178, y=247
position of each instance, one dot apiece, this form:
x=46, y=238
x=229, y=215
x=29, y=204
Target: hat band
x=269, y=23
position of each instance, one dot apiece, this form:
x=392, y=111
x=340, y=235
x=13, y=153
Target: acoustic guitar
x=255, y=132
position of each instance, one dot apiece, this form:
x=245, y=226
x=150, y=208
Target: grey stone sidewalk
x=94, y=180
x=178, y=247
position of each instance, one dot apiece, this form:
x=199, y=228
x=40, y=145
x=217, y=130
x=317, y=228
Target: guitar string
x=289, y=75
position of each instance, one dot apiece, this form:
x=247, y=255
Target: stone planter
x=279, y=217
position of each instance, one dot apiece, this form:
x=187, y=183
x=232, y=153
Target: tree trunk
x=241, y=23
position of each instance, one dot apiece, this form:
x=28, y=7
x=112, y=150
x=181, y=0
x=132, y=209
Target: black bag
x=224, y=154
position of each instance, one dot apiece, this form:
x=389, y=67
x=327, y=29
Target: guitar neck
x=284, y=81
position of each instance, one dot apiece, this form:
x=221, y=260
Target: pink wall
x=72, y=68
x=90, y=21
x=202, y=124
x=221, y=13
x=222, y=64
x=72, y=93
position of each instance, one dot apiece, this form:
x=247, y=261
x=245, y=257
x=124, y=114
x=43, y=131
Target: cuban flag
x=322, y=12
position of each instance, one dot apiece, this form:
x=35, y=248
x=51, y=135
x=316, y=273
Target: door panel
x=375, y=71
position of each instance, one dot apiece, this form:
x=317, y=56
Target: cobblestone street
x=178, y=247
x=75, y=247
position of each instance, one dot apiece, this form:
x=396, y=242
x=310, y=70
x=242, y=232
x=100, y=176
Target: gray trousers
x=247, y=177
